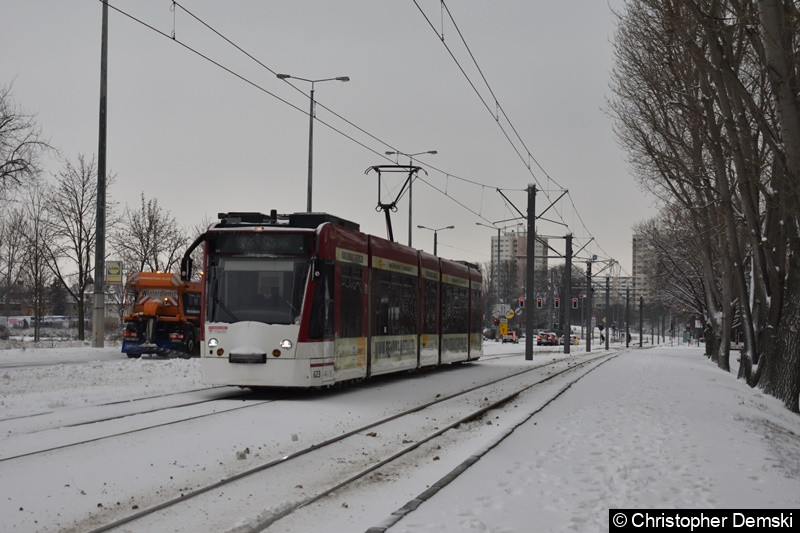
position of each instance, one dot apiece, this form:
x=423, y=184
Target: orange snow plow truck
x=162, y=315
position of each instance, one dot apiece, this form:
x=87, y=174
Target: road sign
x=503, y=329
x=501, y=309
x=510, y=313
x=114, y=272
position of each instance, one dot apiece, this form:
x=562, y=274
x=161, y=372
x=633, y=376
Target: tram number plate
x=248, y=358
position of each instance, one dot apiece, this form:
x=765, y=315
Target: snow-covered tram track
x=127, y=401
x=342, y=466
x=26, y=444
x=431, y=490
x=81, y=416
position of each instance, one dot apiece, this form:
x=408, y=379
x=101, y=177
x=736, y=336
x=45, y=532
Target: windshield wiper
x=225, y=308
x=218, y=302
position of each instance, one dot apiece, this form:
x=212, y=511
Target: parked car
x=511, y=336
x=547, y=339
x=573, y=339
x=541, y=338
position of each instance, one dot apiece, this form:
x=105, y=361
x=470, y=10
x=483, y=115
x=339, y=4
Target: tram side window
x=395, y=303
x=477, y=312
x=429, y=324
x=321, y=325
x=455, y=307
x=350, y=311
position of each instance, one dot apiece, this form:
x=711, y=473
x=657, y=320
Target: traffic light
x=574, y=303
x=557, y=303
x=522, y=301
x=539, y=303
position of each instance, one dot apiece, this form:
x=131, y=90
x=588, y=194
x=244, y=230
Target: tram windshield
x=258, y=289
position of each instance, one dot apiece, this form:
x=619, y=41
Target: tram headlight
x=286, y=344
x=212, y=343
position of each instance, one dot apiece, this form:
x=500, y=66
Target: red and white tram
x=308, y=300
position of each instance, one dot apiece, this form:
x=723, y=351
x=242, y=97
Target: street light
x=435, y=234
x=410, y=161
x=311, y=125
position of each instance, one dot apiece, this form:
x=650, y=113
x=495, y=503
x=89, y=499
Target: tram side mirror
x=186, y=269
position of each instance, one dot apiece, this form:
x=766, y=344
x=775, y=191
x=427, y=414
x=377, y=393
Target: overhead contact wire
x=318, y=103
x=502, y=110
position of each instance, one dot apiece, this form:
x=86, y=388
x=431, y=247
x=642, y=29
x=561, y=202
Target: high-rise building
x=643, y=257
x=513, y=255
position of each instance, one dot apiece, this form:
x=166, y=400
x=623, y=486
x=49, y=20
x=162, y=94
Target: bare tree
x=21, y=143
x=36, y=270
x=149, y=239
x=780, y=20
x=489, y=290
x=72, y=207
x=698, y=97
x=12, y=248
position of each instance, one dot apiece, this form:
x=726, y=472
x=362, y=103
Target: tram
x=308, y=300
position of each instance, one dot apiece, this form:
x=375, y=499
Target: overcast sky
x=204, y=141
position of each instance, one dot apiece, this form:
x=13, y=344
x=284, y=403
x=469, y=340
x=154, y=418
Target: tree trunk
x=781, y=70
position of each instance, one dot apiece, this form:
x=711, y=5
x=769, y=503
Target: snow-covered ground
x=653, y=428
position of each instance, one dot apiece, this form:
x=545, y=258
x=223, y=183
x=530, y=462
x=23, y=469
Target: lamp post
x=410, y=162
x=311, y=125
x=435, y=235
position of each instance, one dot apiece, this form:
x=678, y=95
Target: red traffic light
x=538, y=302
x=574, y=303
x=522, y=301
x=557, y=303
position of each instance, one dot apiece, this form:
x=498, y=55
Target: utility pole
x=497, y=268
x=410, y=199
x=589, y=330
x=310, y=148
x=608, y=294
x=529, y=278
x=566, y=297
x=99, y=307
x=627, y=315
x=641, y=308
